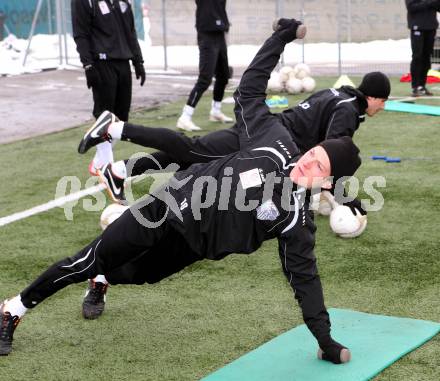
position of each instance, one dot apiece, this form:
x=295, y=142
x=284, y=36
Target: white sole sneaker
x=220, y=117
x=187, y=125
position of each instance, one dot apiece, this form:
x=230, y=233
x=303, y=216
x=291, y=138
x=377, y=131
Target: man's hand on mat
x=331, y=350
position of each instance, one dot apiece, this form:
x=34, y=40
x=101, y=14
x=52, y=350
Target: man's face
x=312, y=169
x=375, y=105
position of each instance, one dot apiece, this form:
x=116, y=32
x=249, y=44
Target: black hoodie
x=422, y=14
x=327, y=114
x=211, y=16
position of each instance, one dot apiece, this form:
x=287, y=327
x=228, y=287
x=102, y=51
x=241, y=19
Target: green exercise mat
x=412, y=108
x=375, y=342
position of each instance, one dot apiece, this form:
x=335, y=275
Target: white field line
x=51, y=204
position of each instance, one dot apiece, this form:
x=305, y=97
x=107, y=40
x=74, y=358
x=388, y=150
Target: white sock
x=119, y=169
x=15, y=307
x=216, y=107
x=101, y=279
x=188, y=112
x=115, y=130
x=104, y=154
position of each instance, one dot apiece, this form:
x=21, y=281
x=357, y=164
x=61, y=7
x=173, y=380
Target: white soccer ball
x=294, y=86
x=308, y=84
x=284, y=73
x=111, y=213
x=345, y=224
x=274, y=84
x=302, y=70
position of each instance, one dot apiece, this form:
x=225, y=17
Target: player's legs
x=417, y=66
x=208, y=52
x=221, y=80
x=182, y=148
x=428, y=47
x=123, y=90
x=104, y=95
x=122, y=242
x=221, y=70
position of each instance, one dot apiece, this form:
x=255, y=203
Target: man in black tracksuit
x=106, y=41
x=327, y=114
x=423, y=24
x=212, y=24
x=211, y=210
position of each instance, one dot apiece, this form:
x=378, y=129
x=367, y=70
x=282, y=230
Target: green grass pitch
x=211, y=313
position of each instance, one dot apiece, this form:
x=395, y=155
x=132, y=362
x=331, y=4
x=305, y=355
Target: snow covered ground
x=44, y=54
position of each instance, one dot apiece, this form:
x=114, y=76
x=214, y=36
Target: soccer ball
x=274, y=84
x=285, y=73
x=308, y=84
x=301, y=70
x=111, y=213
x=345, y=224
x=294, y=86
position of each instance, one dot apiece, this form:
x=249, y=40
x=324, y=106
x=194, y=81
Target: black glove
x=286, y=29
x=92, y=76
x=334, y=352
x=139, y=71
x=356, y=204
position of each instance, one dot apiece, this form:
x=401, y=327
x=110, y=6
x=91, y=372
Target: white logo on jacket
x=267, y=211
x=123, y=5
x=104, y=7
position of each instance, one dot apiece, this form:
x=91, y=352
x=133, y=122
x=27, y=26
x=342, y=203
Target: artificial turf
x=213, y=312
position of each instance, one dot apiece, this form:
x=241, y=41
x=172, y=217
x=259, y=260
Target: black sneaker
x=98, y=133
x=289, y=29
x=114, y=184
x=418, y=91
x=94, y=300
x=8, y=324
x=428, y=92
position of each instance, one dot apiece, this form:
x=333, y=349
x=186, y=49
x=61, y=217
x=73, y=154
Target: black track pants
x=422, y=44
x=127, y=252
x=213, y=61
x=114, y=92
x=178, y=148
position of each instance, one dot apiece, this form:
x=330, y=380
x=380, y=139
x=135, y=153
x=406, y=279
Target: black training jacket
x=272, y=209
x=211, y=16
x=422, y=14
x=327, y=114
x=104, y=30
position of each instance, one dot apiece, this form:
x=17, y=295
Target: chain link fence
x=344, y=36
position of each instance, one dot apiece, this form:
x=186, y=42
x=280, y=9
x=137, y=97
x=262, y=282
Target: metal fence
x=341, y=33
x=339, y=40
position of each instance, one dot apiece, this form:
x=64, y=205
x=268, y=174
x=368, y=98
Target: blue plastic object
x=377, y=157
x=393, y=160
x=277, y=101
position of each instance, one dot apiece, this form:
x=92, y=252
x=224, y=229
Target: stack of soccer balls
x=342, y=220
x=294, y=80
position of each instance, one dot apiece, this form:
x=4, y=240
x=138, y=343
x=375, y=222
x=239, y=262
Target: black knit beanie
x=375, y=84
x=343, y=155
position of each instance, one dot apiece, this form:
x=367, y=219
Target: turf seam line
x=50, y=205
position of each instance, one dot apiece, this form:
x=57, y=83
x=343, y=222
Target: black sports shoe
x=417, y=92
x=8, y=324
x=114, y=184
x=421, y=91
x=428, y=92
x=94, y=300
x=98, y=133
x=289, y=29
